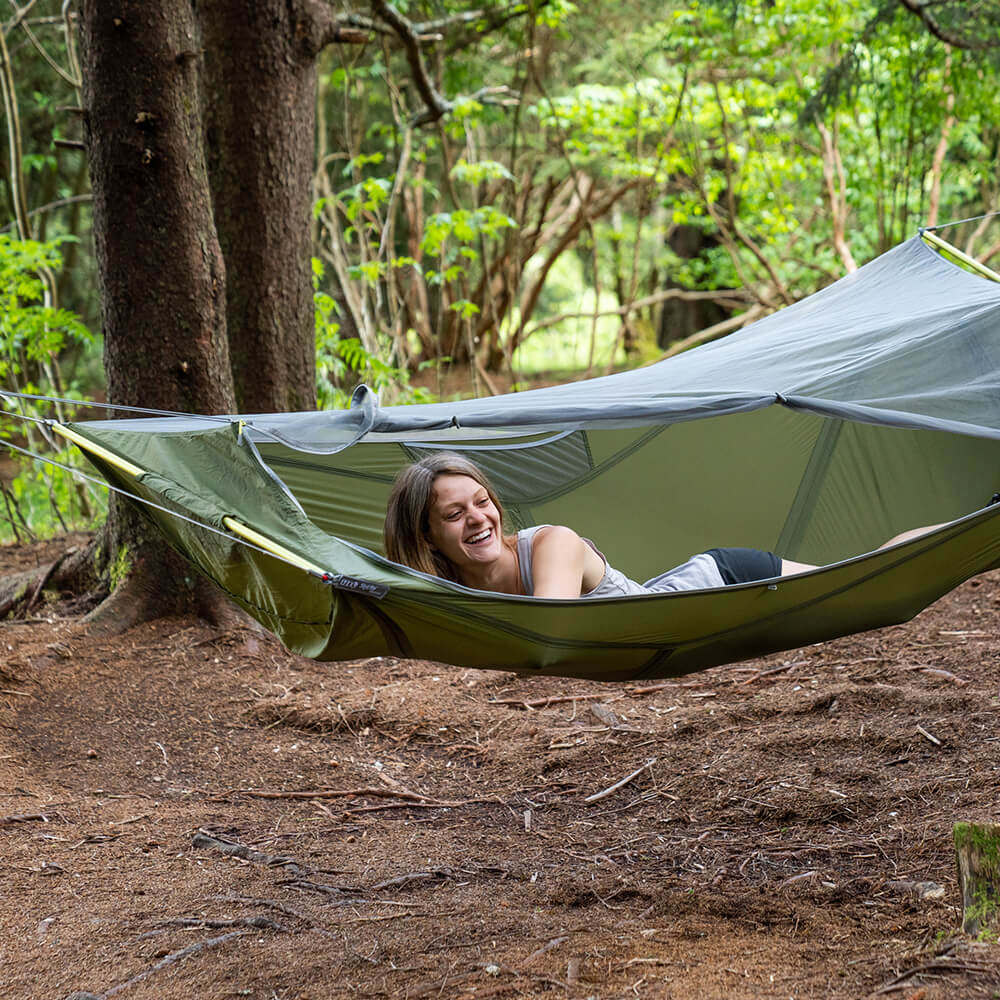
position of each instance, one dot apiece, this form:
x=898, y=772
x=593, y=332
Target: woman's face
x=464, y=523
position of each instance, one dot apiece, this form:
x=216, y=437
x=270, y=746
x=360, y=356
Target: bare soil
x=188, y=813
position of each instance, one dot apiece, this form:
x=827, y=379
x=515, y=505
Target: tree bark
x=977, y=853
x=161, y=269
x=259, y=80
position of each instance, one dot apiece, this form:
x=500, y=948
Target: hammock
x=868, y=408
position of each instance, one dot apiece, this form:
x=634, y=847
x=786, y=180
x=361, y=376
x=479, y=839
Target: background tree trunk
x=260, y=84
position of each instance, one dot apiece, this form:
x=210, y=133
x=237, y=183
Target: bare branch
x=713, y=332
x=435, y=106
x=319, y=27
x=960, y=41
x=727, y=298
x=836, y=190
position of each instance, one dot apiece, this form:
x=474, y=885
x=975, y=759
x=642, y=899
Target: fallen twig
x=923, y=732
x=24, y=818
x=561, y=699
x=340, y=793
x=946, y=675
x=548, y=946
x=620, y=784
x=234, y=850
x=936, y=965
x=401, y=880
x=774, y=670
x=556, y=699
x=49, y=573
x=262, y=923
x=174, y=956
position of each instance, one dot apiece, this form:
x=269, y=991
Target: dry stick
x=261, y=923
x=174, y=956
x=558, y=699
x=416, y=805
x=935, y=965
x=774, y=670
x=49, y=573
x=620, y=784
x=234, y=850
x=923, y=732
x=269, y=903
x=413, y=798
x=25, y=818
x=943, y=674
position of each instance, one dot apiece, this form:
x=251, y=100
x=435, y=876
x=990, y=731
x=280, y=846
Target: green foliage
x=39, y=500
x=30, y=329
x=342, y=362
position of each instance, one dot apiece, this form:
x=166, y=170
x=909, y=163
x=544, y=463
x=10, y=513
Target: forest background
x=257, y=206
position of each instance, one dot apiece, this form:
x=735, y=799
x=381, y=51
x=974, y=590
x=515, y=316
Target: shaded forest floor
x=187, y=813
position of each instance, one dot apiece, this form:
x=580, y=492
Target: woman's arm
x=559, y=562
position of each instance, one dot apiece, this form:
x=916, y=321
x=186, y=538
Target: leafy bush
x=342, y=362
x=37, y=499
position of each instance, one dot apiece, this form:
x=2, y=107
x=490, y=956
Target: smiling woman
x=444, y=518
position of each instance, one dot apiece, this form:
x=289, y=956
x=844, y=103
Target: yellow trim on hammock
x=236, y=527
x=109, y=456
x=263, y=542
x=963, y=257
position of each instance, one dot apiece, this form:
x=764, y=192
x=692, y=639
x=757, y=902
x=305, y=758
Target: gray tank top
x=698, y=573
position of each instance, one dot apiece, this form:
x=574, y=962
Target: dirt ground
x=194, y=814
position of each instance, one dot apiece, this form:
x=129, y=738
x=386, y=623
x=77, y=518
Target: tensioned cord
x=324, y=577
x=210, y=418
x=958, y=222
x=110, y=406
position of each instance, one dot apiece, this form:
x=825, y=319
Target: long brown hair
x=407, y=520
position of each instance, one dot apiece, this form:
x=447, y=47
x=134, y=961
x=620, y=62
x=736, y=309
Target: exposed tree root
x=159, y=583
x=73, y=571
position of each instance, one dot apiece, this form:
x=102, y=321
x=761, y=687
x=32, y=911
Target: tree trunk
x=977, y=852
x=161, y=269
x=680, y=319
x=259, y=79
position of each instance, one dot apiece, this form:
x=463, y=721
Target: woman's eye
x=453, y=516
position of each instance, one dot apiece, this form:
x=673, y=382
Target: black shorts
x=745, y=565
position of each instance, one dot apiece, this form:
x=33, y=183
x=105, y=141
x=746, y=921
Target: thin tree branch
x=436, y=107
x=944, y=34
x=836, y=189
x=729, y=298
x=18, y=198
x=712, y=332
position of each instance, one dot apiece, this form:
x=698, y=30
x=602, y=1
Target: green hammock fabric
x=819, y=432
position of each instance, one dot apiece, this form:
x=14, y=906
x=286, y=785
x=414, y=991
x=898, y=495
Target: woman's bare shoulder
x=555, y=535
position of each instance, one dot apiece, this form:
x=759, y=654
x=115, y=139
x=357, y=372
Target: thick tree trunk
x=259, y=70
x=160, y=265
x=161, y=268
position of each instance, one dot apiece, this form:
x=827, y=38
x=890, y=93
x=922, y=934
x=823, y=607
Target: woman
x=444, y=518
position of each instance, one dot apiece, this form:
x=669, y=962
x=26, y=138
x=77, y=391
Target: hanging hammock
x=868, y=408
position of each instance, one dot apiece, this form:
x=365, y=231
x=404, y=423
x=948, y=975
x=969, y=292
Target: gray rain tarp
x=871, y=407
